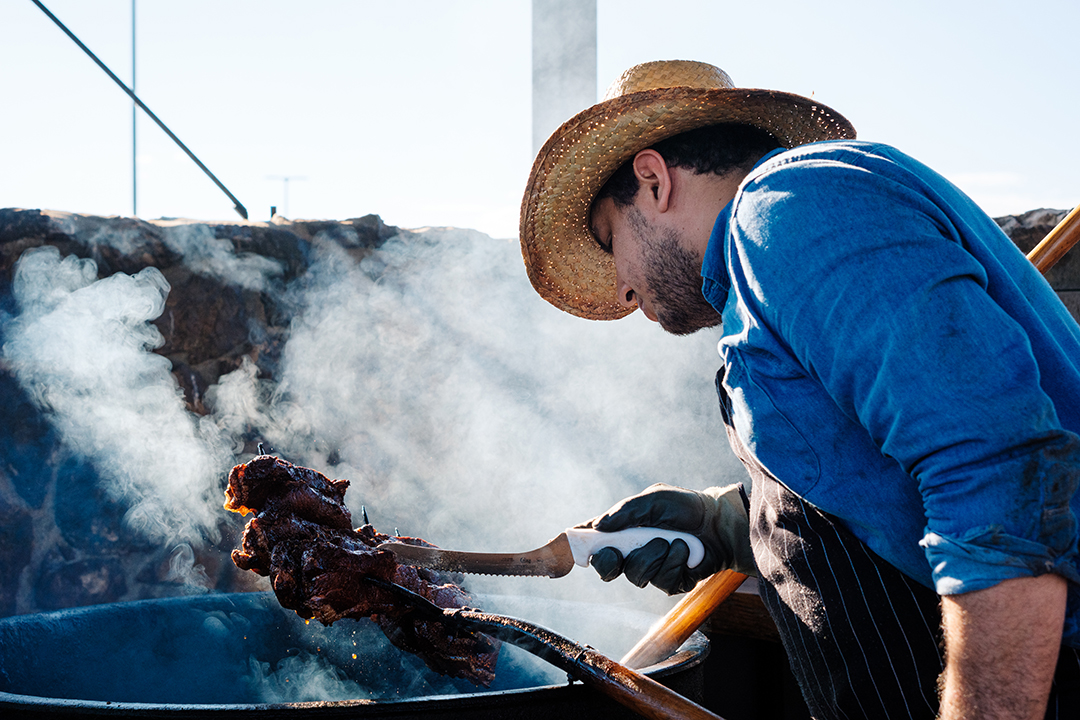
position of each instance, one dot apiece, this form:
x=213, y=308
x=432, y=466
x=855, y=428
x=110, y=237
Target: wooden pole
x=1057, y=242
x=672, y=630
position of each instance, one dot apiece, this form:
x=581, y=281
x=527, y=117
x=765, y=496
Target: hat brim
x=565, y=264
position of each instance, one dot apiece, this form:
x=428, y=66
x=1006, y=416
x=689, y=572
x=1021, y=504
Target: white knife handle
x=584, y=542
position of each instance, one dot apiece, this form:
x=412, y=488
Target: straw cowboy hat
x=649, y=103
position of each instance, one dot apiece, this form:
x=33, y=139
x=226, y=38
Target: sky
x=420, y=110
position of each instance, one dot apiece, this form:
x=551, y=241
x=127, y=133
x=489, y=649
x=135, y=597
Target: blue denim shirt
x=894, y=359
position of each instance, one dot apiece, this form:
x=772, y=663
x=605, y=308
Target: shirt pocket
x=765, y=430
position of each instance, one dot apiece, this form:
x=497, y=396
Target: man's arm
x=1001, y=648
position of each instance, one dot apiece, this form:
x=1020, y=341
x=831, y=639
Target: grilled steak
x=302, y=538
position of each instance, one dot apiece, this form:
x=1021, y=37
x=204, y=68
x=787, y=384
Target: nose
x=626, y=295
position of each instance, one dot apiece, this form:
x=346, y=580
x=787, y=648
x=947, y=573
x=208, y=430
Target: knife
x=573, y=547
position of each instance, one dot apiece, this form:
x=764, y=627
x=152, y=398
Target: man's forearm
x=1001, y=648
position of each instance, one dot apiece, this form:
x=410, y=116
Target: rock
x=88, y=581
x=1028, y=229
x=16, y=544
x=208, y=325
x=226, y=283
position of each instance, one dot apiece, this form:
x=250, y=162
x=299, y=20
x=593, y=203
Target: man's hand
x=716, y=516
x=1001, y=649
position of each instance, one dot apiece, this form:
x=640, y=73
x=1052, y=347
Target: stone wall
x=1027, y=231
x=64, y=542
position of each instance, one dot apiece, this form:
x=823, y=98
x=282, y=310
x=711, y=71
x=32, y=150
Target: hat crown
x=647, y=104
x=669, y=74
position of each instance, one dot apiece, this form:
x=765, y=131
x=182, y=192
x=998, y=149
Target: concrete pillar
x=563, y=63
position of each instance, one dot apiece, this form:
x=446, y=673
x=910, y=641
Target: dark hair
x=716, y=149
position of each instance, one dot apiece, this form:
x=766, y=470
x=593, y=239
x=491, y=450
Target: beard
x=673, y=274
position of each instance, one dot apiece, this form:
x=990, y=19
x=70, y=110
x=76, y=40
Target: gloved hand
x=717, y=516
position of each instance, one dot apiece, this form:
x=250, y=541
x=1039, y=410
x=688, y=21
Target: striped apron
x=863, y=639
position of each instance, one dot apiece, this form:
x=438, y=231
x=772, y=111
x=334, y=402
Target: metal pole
x=134, y=115
x=285, y=199
x=239, y=208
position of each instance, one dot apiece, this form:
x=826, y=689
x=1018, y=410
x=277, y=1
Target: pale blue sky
x=419, y=110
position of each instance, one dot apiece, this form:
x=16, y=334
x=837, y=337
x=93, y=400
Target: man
x=901, y=384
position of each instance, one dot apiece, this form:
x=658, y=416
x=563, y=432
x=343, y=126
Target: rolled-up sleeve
x=876, y=296
x=982, y=556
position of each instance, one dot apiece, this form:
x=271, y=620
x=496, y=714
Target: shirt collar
x=714, y=273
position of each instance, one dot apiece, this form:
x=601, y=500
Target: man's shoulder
x=841, y=188
x=835, y=166
x=855, y=153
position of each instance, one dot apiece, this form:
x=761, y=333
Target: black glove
x=716, y=516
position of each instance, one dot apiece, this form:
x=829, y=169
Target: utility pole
x=285, y=199
x=134, y=115
x=240, y=209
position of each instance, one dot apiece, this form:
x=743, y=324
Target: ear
x=654, y=177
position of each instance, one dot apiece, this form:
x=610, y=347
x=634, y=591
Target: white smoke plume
x=81, y=348
x=468, y=411
x=301, y=678
x=206, y=254
x=462, y=407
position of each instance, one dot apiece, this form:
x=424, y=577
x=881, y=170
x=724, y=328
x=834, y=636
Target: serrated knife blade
x=557, y=558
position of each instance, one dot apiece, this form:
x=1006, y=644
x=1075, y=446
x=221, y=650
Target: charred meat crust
x=301, y=537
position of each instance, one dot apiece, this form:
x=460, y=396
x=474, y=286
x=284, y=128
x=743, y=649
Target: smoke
x=203, y=252
x=466, y=410
x=301, y=678
x=462, y=407
x=186, y=573
x=81, y=348
x=206, y=254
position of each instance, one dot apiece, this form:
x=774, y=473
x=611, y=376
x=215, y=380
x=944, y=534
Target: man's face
x=654, y=268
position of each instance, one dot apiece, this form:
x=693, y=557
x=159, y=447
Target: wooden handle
x=1057, y=242
x=671, y=631
x=640, y=693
